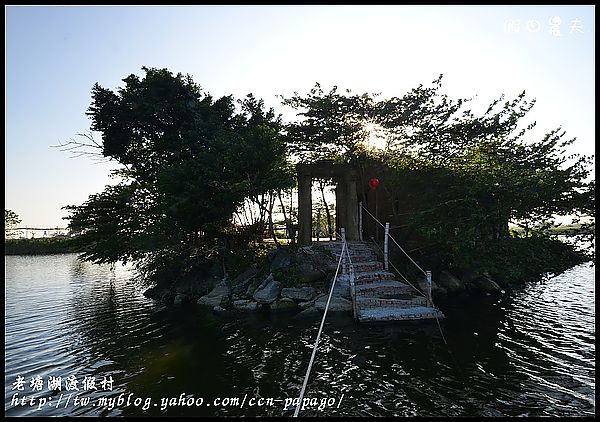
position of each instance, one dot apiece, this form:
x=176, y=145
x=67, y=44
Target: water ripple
x=530, y=354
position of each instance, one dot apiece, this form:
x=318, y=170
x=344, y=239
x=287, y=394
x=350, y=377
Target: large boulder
x=268, y=290
x=467, y=275
x=450, y=282
x=188, y=286
x=152, y=292
x=252, y=288
x=299, y=293
x=307, y=274
x=337, y=304
x=310, y=312
x=485, y=284
x=241, y=283
x=245, y=305
x=283, y=304
x=282, y=260
x=161, y=294
x=219, y=296
x=166, y=296
x=305, y=305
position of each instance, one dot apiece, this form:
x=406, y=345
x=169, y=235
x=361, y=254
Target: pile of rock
x=245, y=294
x=306, y=269
x=467, y=281
x=251, y=292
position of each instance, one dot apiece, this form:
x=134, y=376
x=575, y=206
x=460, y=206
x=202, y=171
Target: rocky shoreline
x=297, y=280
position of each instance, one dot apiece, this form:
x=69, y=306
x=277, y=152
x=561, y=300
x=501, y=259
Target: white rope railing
x=402, y=275
x=351, y=276
x=426, y=273
x=394, y=240
x=314, y=352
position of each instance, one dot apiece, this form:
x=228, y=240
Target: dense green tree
x=486, y=171
x=466, y=174
x=332, y=125
x=188, y=162
x=11, y=219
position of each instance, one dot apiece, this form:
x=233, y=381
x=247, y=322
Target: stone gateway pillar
x=346, y=198
x=304, y=209
x=351, y=207
x=340, y=206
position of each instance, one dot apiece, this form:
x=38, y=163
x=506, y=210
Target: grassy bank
x=39, y=246
x=509, y=262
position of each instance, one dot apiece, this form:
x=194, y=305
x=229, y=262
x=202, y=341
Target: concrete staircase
x=379, y=296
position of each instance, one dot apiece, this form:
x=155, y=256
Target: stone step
x=367, y=266
x=354, y=251
x=369, y=277
x=382, y=288
x=351, y=243
x=398, y=314
x=342, y=288
x=372, y=302
x=379, y=296
x=360, y=258
x=338, y=247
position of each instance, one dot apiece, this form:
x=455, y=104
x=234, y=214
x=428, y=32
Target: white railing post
x=352, y=291
x=386, y=264
x=360, y=228
x=344, y=267
x=429, y=299
x=318, y=225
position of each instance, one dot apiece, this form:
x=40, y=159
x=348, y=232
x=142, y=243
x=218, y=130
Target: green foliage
x=333, y=125
x=11, y=218
x=519, y=260
x=469, y=192
x=287, y=277
x=188, y=162
x=40, y=246
x=460, y=177
x=251, y=255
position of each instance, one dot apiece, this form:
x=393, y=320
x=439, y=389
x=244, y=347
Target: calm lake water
x=531, y=353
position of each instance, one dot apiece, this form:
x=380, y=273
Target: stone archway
x=346, y=199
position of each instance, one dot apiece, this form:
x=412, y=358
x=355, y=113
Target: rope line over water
x=314, y=352
x=400, y=274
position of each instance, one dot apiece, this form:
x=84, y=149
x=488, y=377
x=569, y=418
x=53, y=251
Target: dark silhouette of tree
x=188, y=161
x=471, y=174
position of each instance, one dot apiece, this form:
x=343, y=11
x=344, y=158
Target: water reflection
x=530, y=353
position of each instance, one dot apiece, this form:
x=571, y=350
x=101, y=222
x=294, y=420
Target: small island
x=215, y=201
x=299, y=211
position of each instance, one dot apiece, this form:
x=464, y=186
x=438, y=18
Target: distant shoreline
x=39, y=246
x=559, y=230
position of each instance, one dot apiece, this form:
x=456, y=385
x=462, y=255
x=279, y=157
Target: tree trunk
x=329, y=230
x=288, y=228
x=270, y=213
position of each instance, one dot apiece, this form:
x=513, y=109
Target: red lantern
x=374, y=183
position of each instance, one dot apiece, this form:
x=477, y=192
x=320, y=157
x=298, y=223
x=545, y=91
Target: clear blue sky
x=55, y=54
